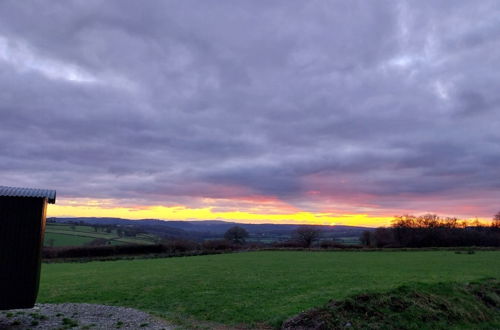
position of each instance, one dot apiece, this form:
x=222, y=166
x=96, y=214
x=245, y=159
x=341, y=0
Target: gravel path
x=79, y=316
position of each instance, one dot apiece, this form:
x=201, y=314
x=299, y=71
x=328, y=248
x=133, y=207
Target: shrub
x=217, y=244
x=180, y=245
x=332, y=245
x=100, y=251
x=288, y=244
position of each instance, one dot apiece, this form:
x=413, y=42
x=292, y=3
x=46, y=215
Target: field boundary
x=195, y=253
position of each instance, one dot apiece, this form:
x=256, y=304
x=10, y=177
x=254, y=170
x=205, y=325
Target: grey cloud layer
x=167, y=100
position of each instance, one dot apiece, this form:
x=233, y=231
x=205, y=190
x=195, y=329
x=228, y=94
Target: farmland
x=205, y=230
x=256, y=288
x=77, y=235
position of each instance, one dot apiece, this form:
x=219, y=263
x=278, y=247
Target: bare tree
x=236, y=235
x=306, y=235
x=496, y=220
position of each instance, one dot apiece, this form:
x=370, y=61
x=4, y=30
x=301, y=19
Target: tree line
x=430, y=230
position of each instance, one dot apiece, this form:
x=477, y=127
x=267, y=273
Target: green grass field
x=62, y=239
x=253, y=288
x=77, y=235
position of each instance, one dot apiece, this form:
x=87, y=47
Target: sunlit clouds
x=346, y=112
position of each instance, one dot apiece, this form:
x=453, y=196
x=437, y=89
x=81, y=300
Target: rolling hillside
x=215, y=229
x=58, y=234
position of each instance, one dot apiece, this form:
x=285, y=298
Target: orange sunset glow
x=93, y=208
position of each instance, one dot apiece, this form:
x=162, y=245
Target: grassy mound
x=417, y=306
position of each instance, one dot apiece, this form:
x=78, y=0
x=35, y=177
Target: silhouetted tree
x=236, y=235
x=384, y=237
x=306, y=235
x=431, y=230
x=496, y=221
x=367, y=238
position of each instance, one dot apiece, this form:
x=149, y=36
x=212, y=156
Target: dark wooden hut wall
x=22, y=226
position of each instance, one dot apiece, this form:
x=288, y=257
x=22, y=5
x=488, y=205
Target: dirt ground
x=79, y=316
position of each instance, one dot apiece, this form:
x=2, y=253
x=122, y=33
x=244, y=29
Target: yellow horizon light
x=70, y=208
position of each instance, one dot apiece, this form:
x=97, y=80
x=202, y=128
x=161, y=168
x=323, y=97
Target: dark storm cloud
x=165, y=100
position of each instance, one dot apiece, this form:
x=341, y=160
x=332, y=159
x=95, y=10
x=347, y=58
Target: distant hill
x=210, y=229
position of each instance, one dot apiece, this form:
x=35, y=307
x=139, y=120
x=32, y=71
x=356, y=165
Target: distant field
x=348, y=240
x=78, y=235
x=65, y=239
x=253, y=288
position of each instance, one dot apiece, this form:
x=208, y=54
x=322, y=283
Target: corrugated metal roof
x=28, y=192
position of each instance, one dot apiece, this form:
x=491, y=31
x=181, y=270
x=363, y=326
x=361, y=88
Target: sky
x=327, y=112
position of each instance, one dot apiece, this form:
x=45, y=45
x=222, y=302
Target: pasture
x=255, y=288
x=57, y=235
